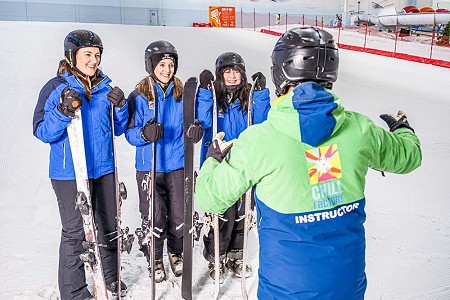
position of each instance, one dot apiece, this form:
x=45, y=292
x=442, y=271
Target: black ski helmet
x=302, y=54
x=229, y=59
x=159, y=48
x=79, y=39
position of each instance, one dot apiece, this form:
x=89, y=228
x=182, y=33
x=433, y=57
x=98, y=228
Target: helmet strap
x=82, y=74
x=74, y=68
x=282, y=89
x=319, y=71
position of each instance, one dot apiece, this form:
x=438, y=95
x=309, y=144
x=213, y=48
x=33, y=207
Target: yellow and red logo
x=323, y=164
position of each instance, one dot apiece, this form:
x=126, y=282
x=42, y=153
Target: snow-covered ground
x=408, y=217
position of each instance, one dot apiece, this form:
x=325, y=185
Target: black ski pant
x=71, y=274
x=169, y=209
x=231, y=231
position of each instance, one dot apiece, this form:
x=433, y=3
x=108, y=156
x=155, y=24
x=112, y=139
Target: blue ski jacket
x=170, y=148
x=49, y=125
x=233, y=121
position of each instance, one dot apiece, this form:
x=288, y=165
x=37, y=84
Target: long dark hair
x=222, y=94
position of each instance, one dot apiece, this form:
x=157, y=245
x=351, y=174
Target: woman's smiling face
x=88, y=60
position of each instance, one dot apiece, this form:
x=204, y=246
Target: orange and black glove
x=70, y=102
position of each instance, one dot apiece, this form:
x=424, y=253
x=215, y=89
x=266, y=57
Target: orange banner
x=222, y=16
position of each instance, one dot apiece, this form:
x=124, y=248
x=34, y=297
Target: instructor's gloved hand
x=195, y=131
x=219, y=148
x=152, y=131
x=395, y=122
x=71, y=101
x=116, y=97
x=260, y=83
x=205, y=79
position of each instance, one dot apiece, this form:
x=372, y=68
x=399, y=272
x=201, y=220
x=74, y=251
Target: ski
x=189, y=93
x=151, y=197
x=91, y=256
x=215, y=217
x=124, y=238
x=249, y=220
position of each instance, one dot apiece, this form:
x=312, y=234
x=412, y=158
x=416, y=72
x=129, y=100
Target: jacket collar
x=310, y=113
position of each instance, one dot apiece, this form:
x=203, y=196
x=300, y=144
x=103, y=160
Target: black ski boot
x=160, y=272
x=176, y=263
x=141, y=234
x=112, y=287
x=211, y=267
x=234, y=263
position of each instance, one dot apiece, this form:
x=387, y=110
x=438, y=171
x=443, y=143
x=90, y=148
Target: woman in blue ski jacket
x=80, y=85
x=232, y=95
x=166, y=131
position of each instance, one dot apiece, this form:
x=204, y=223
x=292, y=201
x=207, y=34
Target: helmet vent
x=288, y=62
x=307, y=40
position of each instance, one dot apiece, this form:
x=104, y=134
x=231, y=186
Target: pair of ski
x=91, y=256
x=190, y=217
x=189, y=93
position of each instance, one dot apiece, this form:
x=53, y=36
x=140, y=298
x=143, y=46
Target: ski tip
x=193, y=78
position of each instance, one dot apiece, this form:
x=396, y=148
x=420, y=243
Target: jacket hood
x=310, y=114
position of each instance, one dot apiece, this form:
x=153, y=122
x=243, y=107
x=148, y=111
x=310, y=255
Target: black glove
x=395, y=122
x=116, y=97
x=152, y=131
x=260, y=83
x=205, y=79
x=219, y=148
x=71, y=101
x=195, y=131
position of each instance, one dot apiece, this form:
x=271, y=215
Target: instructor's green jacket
x=308, y=162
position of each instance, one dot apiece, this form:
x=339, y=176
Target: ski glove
x=205, y=79
x=219, y=148
x=260, y=83
x=195, y=131
x=116, y=97
x=395, y=122
x=152, y=131
x=70, y=102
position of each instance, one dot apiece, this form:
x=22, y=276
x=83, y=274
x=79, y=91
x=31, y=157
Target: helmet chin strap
x=80, y=74
x=78, y=71
x=282, y=89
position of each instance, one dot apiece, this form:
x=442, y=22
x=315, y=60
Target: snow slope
x=408, y=217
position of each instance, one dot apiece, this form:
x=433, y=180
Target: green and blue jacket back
x=308, y=162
